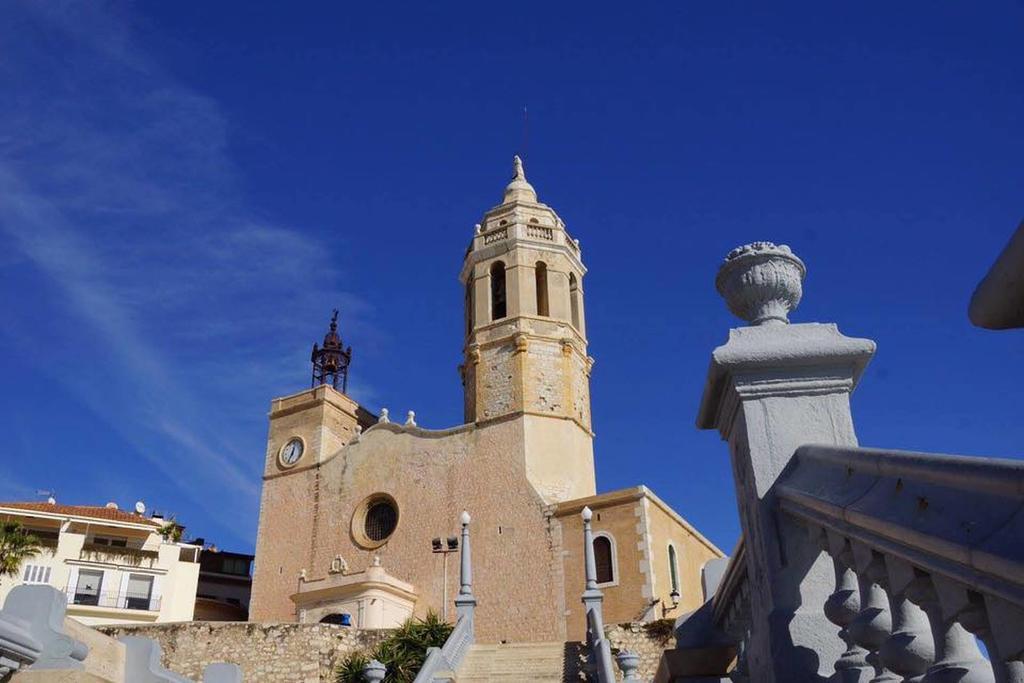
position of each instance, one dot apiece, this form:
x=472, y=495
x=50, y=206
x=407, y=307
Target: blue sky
x=186, y=190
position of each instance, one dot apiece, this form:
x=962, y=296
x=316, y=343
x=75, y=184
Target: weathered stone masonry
x=274, y=652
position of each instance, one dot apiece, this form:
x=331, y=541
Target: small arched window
x=541, y=275
x=604, y=559
x=499, y=307
x=574, y=300
x=673, y=568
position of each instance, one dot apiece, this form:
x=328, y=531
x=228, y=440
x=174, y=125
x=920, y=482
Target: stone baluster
x=1007, y=637
x=957, y=657
x=873, y=624
x=970, y=609
x=841, y=608
x=909, y=651
x=975, y=619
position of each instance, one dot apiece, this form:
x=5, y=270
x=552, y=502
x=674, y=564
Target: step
x=536, y=662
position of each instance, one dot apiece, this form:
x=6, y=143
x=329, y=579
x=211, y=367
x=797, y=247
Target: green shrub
x=402, y=652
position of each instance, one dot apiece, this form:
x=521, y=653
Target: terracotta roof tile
x=84, y=511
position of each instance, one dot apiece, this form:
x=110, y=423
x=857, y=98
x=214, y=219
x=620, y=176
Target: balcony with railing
x=125, y=600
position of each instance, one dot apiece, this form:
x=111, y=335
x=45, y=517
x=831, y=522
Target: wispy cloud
x=116, y=186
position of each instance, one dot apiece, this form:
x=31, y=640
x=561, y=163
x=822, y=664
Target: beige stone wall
x=693, y=551
x=290, y=500
x=624, y=599
x=648, y=640
x=267, y=653
x=641, y=527
x=496, y=386
x=432, y=476
x=283, y=544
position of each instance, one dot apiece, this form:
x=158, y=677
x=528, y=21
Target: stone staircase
x=522, y=662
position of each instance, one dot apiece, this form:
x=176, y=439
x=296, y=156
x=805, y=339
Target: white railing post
x=465, y=602
x=771, y=388
x=592, y=596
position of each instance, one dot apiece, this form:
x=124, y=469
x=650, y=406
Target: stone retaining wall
x=648, y=640
x=271, y=652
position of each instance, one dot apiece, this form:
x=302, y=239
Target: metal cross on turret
x=330, y=363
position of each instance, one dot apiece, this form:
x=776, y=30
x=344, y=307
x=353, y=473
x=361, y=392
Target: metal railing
x=115, y=600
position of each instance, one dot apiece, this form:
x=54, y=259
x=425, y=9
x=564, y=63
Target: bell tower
x=526, y=341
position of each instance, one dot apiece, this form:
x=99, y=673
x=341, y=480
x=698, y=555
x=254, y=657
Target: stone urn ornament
x=629, y=663
x=761, y=282
x=374, y=671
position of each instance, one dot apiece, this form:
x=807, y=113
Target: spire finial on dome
x=519, y=189
x=517, y=169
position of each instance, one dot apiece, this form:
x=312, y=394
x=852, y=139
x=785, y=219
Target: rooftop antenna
x=526, y=131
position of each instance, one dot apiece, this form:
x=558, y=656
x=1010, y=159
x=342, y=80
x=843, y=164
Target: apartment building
x=114, y=566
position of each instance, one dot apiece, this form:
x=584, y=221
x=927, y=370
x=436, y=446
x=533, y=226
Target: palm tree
x=16, y=546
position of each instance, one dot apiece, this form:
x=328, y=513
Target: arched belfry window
x=574, y=300
x=604, y=558
x=673, y=568
x=541, y=275
x=469, y=306
x=499, y=307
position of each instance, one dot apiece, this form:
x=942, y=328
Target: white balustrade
x=914, y=557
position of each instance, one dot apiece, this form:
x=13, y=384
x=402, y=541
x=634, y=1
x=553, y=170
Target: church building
x=358, y=511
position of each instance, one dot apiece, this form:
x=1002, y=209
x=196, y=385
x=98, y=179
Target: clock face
x=291, y=452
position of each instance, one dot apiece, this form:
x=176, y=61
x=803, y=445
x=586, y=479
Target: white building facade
x=114, y=566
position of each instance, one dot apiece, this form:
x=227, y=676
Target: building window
x=574, y=300
x=35, y=573
x=381, y=519
x=673, y=568
x=541, y=275
x=235, y=565
x=469, y=305
x=499, y=307
x=604, y=558
x=140, y=590
x=374, y=521
x=87, y=591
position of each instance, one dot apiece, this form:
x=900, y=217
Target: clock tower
x=305, y=429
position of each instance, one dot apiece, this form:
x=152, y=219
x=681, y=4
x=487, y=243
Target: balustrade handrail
x=995, y=476
x=599, y=650
x=730, y=587
x=450, y=655
x=917, y=507
x=933, y=543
